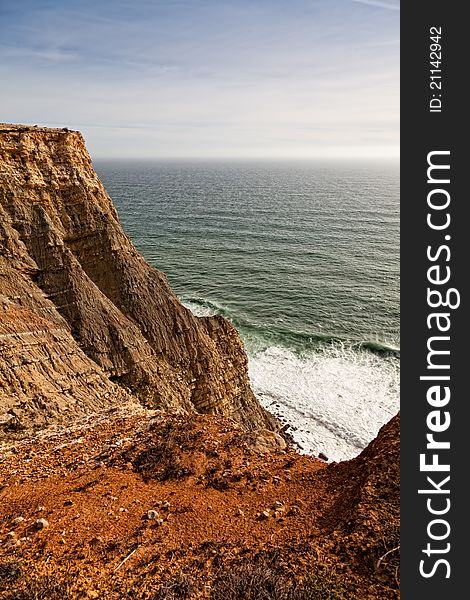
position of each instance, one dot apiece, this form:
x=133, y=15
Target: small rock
x=278, y=504
x=11, y=535
x=323, y=457
x=264, y=441
x=18, y=520
x=294, y=510
x=152, y=514
x=264, y=515
x=68, y=503
x=166, y=506
x=159, y=522
x=41, y=508
x=239, y=512
x=41, y=524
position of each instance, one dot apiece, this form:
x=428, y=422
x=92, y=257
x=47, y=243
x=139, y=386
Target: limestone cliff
x=84, y=320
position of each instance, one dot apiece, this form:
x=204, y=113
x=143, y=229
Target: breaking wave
x=333, y=394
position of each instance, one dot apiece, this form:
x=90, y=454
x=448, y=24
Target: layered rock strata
x=84, y=320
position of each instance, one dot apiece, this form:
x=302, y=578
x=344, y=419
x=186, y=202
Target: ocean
x=303, y=258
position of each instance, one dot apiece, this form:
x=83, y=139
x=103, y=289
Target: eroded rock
x=83, y=318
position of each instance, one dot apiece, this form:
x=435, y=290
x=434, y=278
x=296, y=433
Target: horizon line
x=373, y=157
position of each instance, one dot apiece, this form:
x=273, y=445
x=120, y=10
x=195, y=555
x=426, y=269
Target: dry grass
x=166, y=458
x=263, y=579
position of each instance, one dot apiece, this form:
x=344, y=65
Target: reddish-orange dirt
x=216, y=505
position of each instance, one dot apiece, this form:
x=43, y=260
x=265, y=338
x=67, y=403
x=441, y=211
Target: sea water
x=303, y=258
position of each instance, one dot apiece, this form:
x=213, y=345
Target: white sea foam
x=335, y=400
x=199, y=310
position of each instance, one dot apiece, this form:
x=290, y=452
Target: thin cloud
x=391, y=5
x=53, y=55
x=206, y=78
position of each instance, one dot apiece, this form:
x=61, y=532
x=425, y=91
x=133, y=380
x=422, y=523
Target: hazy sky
x=203, y=78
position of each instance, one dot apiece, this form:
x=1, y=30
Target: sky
x=206, y=78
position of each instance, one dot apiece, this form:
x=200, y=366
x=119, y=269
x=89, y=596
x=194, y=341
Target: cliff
x=127, y=490
x=85, y=322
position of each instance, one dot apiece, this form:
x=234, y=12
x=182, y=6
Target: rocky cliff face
x=84, y=320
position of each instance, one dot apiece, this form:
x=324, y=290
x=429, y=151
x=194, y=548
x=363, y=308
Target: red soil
x=94, y=483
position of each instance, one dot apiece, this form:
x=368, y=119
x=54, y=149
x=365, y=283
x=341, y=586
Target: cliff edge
x=85, y=322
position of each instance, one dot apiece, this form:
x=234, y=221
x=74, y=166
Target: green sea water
x=303, y=258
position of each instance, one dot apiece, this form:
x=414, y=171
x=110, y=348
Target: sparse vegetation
x=326, y=584
x=46, y=588
x=180, y=587
x=265, y=580
x=164, y=459
x=340, y=542
x=10, y=571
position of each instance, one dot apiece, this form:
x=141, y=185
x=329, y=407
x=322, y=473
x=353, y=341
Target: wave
x=333, y=394
x=262, y=336
x=333, y=400
x=204, y=308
